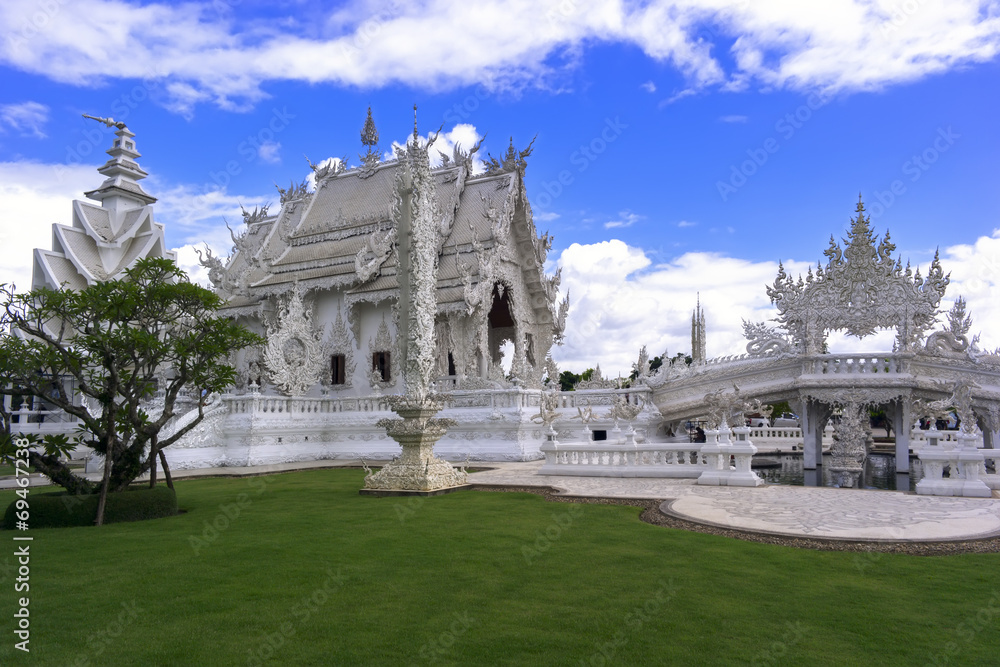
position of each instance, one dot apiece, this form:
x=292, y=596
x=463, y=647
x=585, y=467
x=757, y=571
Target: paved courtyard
x=793, y=511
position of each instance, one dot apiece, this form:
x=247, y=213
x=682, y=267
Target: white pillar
x=902, y=421
x=812, y=435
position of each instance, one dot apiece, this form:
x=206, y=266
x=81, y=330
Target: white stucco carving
x=294, y=355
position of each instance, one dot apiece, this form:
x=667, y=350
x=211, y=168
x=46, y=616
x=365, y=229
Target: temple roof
x=102, y=241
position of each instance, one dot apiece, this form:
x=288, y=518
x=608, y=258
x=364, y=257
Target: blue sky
x=682, y=147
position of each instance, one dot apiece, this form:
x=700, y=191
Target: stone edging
x=652, y=514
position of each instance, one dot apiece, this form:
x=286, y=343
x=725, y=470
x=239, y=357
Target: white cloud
x=975, y=275
x=25, y=118
x=546, y=216
x=35, y=195
x=625, y=219
x=200, y=54
x=463, y=135
x=621, y=301
x=733, y=119
x=649, y=87
x=269, y=152
x=687, y=223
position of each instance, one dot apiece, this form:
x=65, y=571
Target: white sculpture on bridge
x=861, y=289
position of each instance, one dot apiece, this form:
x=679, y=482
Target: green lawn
x=311, y=573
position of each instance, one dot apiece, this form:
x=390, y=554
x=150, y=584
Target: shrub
x=56, y=510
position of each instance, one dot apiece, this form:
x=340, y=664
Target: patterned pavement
x=815, y=512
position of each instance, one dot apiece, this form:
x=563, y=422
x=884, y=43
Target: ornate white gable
x=861, y=290
x=294, y=355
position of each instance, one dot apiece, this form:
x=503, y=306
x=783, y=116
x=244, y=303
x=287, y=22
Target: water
x=879, y=472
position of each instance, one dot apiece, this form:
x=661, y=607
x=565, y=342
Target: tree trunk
x=99, y=520
x=152, y=463
x=166, y=470
x=59, y=473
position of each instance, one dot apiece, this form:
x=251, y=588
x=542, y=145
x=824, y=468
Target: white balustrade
x=719, y=449
x=856, y=364
x=607, y=459
x=965, y=461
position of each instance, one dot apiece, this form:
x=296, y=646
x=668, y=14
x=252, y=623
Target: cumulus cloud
x=975, y=275
x=35, y=195
x=649, y=87
x=25, y=118
x=621, y=300
x=686, y=223
x=203, y=54
x=269, y=152
x=463, y=135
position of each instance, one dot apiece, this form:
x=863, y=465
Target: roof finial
x=369, y=133
x=110, y=122
x=369, y=139
x=415, y=133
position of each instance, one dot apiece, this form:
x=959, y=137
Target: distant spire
x=698, y=351
x=415, y=133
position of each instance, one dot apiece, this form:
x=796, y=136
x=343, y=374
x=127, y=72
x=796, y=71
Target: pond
x=879, y=472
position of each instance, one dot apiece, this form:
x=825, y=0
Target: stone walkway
x=790, y=511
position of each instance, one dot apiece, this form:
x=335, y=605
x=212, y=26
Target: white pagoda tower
x=104, y=240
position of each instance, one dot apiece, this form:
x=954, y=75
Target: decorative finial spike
x=415, y=133
x=110, y=122
x=369, y=133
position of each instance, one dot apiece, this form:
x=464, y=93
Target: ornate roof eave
x=111, y=190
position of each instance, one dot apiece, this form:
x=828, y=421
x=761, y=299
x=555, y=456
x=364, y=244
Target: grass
x=311, y=573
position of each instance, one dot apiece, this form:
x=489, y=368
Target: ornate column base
x=417, y=470
x=845, y=477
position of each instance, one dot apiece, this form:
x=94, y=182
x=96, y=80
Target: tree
x=120, y=341
x=569, y=379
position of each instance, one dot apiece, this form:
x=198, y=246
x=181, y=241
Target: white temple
x=325, y=279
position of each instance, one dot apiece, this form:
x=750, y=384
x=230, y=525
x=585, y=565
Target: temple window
x=337, y=369
x=380, y=363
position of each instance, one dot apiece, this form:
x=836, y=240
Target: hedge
x=56, y=510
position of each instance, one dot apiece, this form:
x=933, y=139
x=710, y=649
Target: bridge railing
x=770, y=436
x=622, y=460
x=855, y=364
